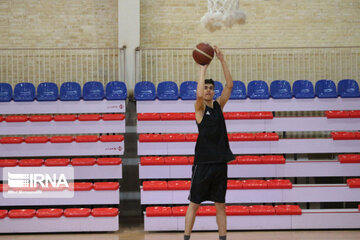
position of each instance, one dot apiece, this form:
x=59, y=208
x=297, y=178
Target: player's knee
x=220, y=206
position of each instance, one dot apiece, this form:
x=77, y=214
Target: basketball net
x=222, y=13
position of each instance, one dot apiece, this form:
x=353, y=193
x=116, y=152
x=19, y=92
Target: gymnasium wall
x=270, y=23
x=58, y=23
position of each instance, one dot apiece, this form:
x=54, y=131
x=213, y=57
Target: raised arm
x=199, y=103
x=225, y=95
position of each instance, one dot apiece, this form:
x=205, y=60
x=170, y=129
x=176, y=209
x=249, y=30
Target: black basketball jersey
x=212, y=145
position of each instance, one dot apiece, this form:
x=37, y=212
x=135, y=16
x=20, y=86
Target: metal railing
x=247, y=64
x=60, y=65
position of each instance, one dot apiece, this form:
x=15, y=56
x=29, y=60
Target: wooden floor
x=136, y=233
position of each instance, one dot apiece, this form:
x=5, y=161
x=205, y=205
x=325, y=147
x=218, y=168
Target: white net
x=222, y=13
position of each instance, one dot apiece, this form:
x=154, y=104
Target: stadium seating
x=70, y=91
x=93, y=91
x=280, y=89
x=238, y=91
x=325, y=89
x=167, y=90
x=303, y=89
x=116, y=90
x=145, y=91
x=348, y=88
x=218, y=89
x=5, y=92
x=24, y=92
x=188, y=90
x=258, y=89
x=47, y=92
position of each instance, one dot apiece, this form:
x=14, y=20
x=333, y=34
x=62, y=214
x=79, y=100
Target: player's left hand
x=219, y=53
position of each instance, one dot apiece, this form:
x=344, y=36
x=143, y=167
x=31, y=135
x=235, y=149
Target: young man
x=212, y=151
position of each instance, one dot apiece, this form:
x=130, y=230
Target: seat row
x=62, y=139
x=69, y=91
x=52, y=162
x=257, y=89
x=62, y=118
x=76, y=186
x=57, y=212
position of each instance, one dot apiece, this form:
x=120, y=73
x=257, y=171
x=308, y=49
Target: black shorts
x=208, y=183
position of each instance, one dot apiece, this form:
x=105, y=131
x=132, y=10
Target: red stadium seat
x=179, y=211
x=353, y=182
x=83, y=161
x=8, y=162
x=102, y=186
x=266, y=137
x=179, y=185
x=174, y=137
x=80, y=186
x=206, y=211
x=25, y=189
x=261, y=115
x=354, y=114
x=49, y=213
x=150, y=138
x=337, y=114
x=77, y=212
x=87, y=138
x=104, y=212
x=40, y=139
x=1, y=118
x=234, y=184
x=112, y=138
x=349, y=158
x=287, y=210
x=41, y=118
x=152, y=161
x=176, y=160
x=109, y=161
x=52, y=188
x=357, y=135
x=148, y=116
x=171, y=116
x=65, y=118
x=16, y=118
x=191, y=160
x=237, y=115
x=261, y=210
x=158, y=212
x=254, y=184
x=237, y=210
x=233, y=162
x=155, y=185
x=272, y=159
x=11, y=140
x=113, y=117
x=21, y=213
x=3, y=213
x=31, y=162
x=89, y=117
x=279, y=184
x=61, y=139
x=4, y=187
x=343, y=135
x=57, y=162
x=248, y=159
x=242, y=137
x=191, y=137
x=189, y=116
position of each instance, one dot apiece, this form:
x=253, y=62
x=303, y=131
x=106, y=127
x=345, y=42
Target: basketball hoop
x=222, y=13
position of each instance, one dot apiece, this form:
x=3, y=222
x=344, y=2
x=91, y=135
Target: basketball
x=203, y=53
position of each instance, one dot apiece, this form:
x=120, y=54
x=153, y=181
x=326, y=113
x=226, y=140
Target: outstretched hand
x=203, y=67
x=219, y=53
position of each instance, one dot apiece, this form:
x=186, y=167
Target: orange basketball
x=203, y=53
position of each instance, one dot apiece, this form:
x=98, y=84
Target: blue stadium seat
x=116, y=90
x=258, y=89
x=303, y=89
x=325, y=89
x=238, y=91
x=218, y=89
x=70, y=91
x=5, y=92
x=167, y=90
x=348, y=88
x=93, y=91
x=280, y=89
x=145, y=91
x=24, y=92
x=47, y=92
x=188, y=90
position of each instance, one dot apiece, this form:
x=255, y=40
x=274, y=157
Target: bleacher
x=265, y=150
x=74, y=127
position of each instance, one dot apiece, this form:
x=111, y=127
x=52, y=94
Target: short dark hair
x=210, y=81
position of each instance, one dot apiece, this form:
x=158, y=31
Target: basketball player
x=212, y=151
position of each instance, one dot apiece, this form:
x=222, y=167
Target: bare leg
x=221, y=218
x=190, y=217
